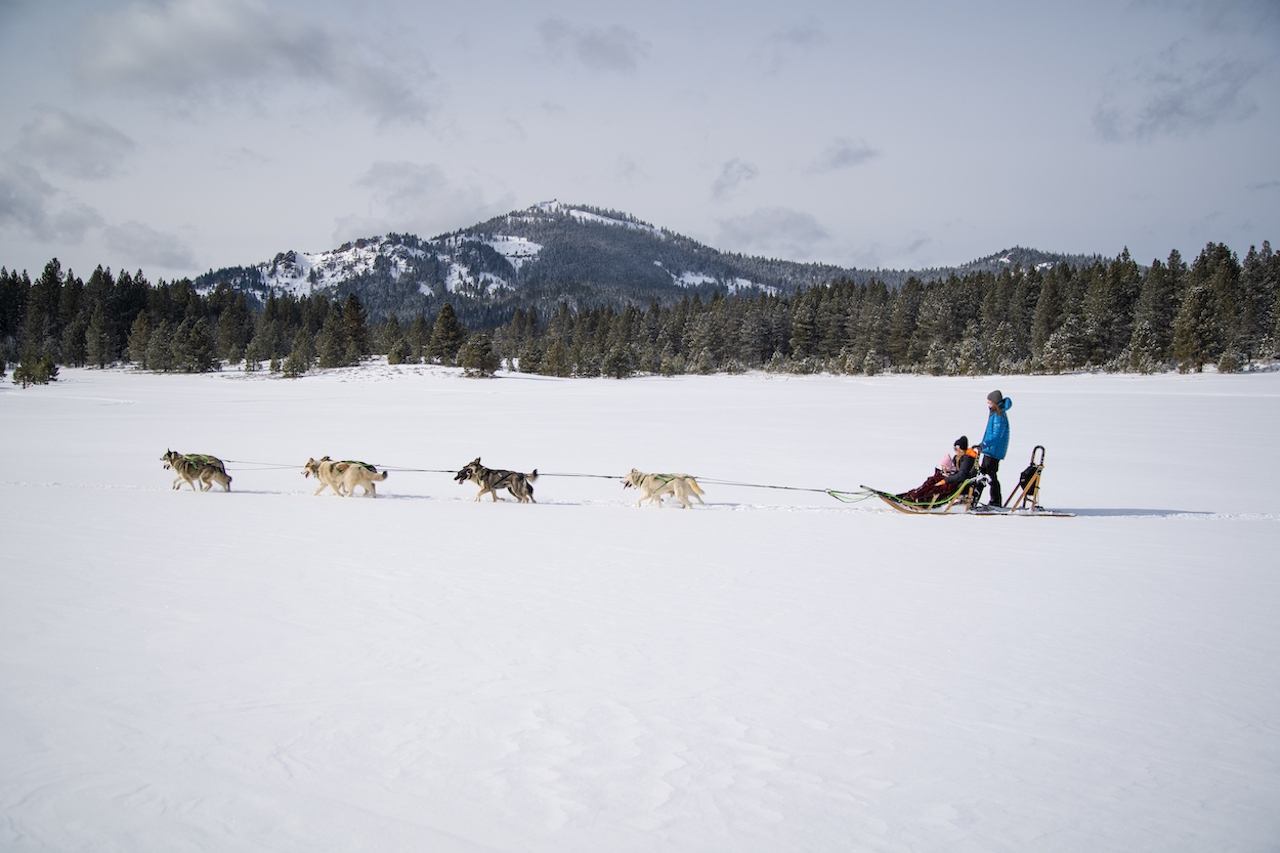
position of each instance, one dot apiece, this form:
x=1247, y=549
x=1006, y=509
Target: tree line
x=1106, y=315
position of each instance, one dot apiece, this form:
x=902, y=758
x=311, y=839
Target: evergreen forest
x=1109, y=315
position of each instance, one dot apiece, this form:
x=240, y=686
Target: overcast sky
x=177, y=136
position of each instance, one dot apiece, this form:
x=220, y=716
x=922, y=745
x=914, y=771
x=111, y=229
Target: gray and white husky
x=193, y=468
x=491, y=479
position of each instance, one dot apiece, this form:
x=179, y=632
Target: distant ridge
x=551, y=253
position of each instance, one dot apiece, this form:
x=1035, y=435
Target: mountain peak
x=546, y=254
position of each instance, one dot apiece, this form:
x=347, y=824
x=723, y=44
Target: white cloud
x=416, y=198
x=32, y=206
x=189, y=50
x=1226, y=16
x=79, y=147
x=774, y=232
x=615, y=48
x=734, y=174
x=843, y=154
x=1172, y=96
x=782, y=47
x=141, y=244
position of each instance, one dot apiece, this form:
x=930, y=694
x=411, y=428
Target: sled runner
x=962, y=499
x=1024, y=501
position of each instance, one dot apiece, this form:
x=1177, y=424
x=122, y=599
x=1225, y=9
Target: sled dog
x=193, y=468
x=344, y=477
x=490, y=480
x=653, y=486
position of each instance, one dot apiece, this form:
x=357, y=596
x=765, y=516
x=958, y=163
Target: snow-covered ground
x=270, y=671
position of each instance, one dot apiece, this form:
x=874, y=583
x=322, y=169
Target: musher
x=995, y=442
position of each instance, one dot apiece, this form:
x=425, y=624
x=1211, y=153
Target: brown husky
x=344, y=477
x=490, y=480
x=196, y=467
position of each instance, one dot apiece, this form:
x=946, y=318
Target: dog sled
x=1024, y=501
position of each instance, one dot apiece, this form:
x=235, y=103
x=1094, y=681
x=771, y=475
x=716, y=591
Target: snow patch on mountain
x=301, y=273
x=517, y=250
x=462, y=280
x=698, y=279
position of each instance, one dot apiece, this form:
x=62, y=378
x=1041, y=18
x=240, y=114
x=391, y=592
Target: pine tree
x=356, y=328
x=1196, y=332
x=556, y=361
x=35, y=367
x=194, y=348
x=418, y=338
x=1144, y=349
x=43, y=326
x=100, y=345
x=139, y=338
x=160, y=348
x=530, y=356
x=235, y=329
x=477, y=356
x=1258, y=286
x=447, y=336
x=73, y=351
x=388, y=335
x=971, y=355
x=301, y=357
x=902, y=321
x=262, y=346
x=1153, y=320
x=1068, y=348
x=804, y=326
x=332, y=342
x=618, y=363
x=1047, y=315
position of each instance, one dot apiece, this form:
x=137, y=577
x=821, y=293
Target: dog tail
x=384, y=475
x=693, y=484
x=532, y=475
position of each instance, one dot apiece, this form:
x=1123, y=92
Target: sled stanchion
x=1028, y=491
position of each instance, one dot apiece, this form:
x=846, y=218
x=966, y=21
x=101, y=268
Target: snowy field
x=270, y=671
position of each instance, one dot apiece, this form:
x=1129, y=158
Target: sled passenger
x=995, y=442
x=947, y=477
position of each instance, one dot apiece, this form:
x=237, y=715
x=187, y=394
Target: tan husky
x=653, y=486
x=344, y=477
x=193, y=468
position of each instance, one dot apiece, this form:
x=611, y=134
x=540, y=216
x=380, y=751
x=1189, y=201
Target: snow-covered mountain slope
x=542, y=255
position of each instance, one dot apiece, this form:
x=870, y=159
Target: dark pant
x=989, y=467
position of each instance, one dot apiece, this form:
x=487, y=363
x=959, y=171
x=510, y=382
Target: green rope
x=850, y=497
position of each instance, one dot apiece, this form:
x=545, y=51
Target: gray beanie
x=996, y=397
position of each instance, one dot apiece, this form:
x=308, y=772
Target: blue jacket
x=995, y=442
